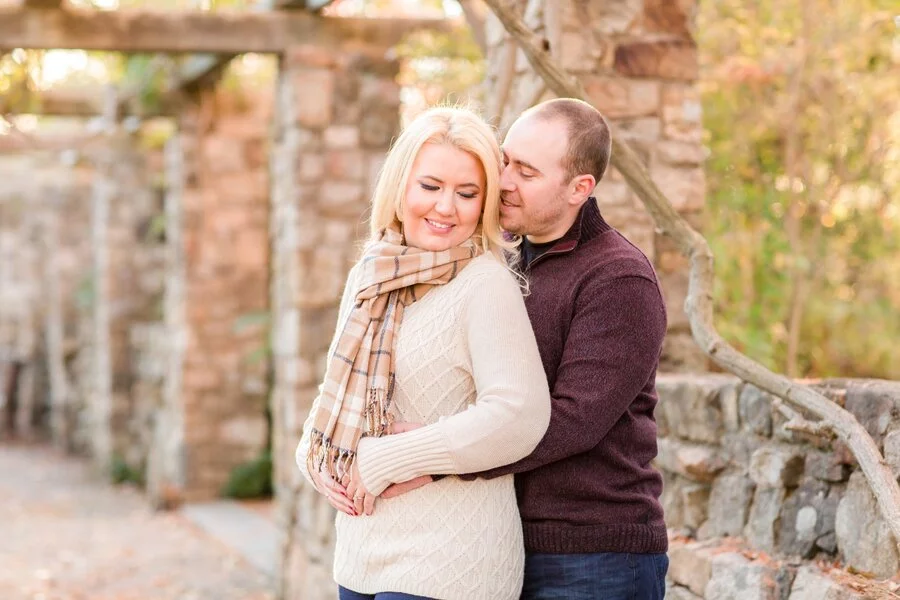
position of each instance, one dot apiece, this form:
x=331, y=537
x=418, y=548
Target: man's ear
x=582, y=186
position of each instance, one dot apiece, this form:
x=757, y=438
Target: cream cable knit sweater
x=467, y=365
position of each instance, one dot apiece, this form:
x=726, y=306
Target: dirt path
x=65, y=535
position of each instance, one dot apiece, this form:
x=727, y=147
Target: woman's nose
x=445, y=205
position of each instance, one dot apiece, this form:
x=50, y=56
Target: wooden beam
x=43, y=3
x=63, y=103
x=219, y=32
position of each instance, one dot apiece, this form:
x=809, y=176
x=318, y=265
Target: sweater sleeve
x=611, y=352
x=511, y=409
x=346, y=304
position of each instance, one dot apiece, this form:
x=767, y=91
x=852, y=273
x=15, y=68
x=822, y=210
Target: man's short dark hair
x=589, y=137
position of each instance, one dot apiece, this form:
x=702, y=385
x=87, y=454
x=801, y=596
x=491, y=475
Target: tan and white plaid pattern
x=359, y=378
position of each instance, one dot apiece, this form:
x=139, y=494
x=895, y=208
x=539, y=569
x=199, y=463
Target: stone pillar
x=165, y=462
x=638, y=62
x=336, y=114
x=122, y=204
x=215, y=393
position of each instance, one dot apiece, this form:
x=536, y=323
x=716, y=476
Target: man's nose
x=506, y=182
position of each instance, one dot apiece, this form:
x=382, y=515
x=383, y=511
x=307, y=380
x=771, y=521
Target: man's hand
x=334, y=492
x=403, y=427
x=398, y=489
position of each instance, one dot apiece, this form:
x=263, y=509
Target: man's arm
x=612, y=349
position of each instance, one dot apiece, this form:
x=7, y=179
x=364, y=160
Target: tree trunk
x=699, y=305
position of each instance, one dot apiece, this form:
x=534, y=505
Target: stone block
x=892, y=450
x=341, y=137
x=729, y=502
x=776, y=466
x=872, y=403
x=606, y=18
x=341, y=198
x=313, y=97
x=755, y=408
x=663, y=59
x=693, y=461
x=762, y=524
x=247, y=430
x=690, y=565
x=676, y=592
x=681, y=154
x=689, y=406
x=684, y=187
x=863, y=536
x=695, y=504
x=620, y=98
x=807, y=516
x=668, y=16
x=736, y=578
x=827, y=466
x=310, y=167
x=811, y=584
x=378, y=126
x=347, y=165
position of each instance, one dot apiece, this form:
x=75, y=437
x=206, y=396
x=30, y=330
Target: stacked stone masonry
x=336, y=114
x=638, y=62
x=732, y=470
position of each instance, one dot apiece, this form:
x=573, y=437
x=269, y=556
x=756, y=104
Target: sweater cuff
x=401, y=457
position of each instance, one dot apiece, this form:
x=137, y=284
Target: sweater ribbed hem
x=397, y=458
x=558, y=538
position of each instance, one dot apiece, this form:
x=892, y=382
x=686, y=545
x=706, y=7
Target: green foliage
x=251, y=480
x=803, y=123
x=121, y=472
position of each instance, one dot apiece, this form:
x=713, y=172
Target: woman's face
x=444, y=198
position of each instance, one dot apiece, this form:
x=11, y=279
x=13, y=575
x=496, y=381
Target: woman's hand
x=363, y=501
x=334, y=492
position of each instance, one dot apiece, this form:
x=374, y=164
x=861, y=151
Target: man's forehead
x=535, y=139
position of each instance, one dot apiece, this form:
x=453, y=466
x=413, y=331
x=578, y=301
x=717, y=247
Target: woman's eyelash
x=470, y=196
x=430, y=188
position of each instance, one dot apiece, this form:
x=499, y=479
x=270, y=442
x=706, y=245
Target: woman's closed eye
x=430, y=188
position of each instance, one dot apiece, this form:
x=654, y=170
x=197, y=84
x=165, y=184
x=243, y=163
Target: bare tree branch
x=699, y=305
x=476, y=15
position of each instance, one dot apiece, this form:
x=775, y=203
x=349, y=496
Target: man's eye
x=430, y=188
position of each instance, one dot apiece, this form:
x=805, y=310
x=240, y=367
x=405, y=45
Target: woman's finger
x=341, y=503
x=369, y=504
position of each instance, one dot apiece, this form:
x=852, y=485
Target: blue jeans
x=345, y=594
x=606, y=575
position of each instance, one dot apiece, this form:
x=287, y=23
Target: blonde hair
x=462, y=129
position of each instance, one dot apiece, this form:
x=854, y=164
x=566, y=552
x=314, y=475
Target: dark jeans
x=345, y=594
x=604, y=575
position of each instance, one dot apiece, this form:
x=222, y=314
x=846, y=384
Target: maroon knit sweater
x=599, y=318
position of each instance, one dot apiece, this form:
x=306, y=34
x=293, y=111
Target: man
x=588, y=496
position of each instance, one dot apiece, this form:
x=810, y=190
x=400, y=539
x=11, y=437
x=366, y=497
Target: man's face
x=533, y=184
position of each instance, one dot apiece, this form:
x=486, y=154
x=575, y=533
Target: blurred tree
x=803, y=123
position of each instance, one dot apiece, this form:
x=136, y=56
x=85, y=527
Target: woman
x=432, y=329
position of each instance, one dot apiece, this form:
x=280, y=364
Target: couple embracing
x=485, y=426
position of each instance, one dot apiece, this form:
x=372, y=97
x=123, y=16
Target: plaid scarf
x=359, y=379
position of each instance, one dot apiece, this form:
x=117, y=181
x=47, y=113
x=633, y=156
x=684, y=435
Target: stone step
x=246, y=531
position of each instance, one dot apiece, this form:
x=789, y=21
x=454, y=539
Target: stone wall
x=336, y=114
x=638, y=62
x=125, y=289
x=213, y=415
x=44, y=258
x=732, y=470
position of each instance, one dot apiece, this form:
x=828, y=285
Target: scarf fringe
x=378, y=419
x=322, y=453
